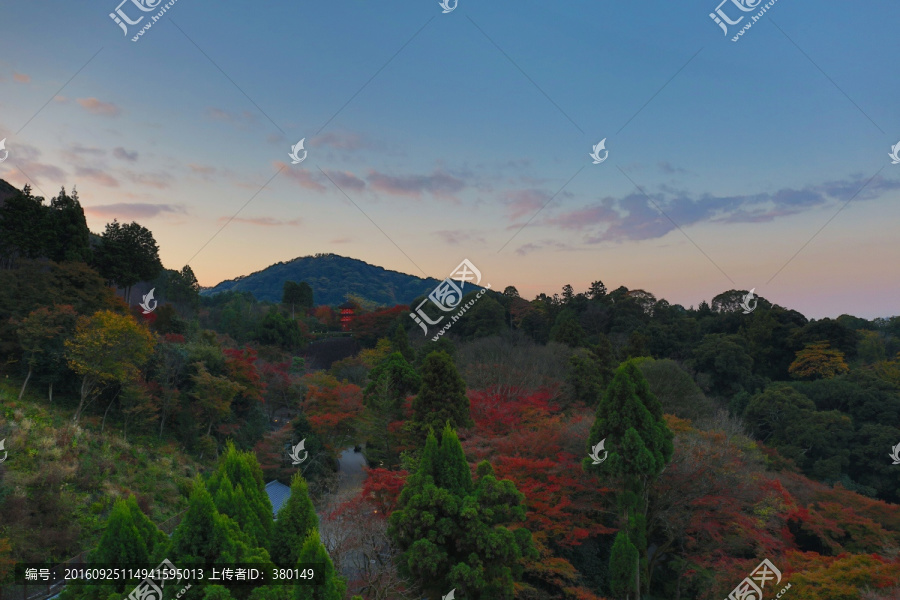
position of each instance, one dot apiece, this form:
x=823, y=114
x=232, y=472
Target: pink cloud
x=347, y=180
x=338, y=141
x=300, y=176
x=97, y=175
x=159, y=181
x=263, y=221
x=132, y=210
x=201, y=169
x=97, y=107
x=522, y=203
x=21, y=78
x=438, y=184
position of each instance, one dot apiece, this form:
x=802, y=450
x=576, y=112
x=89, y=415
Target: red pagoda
x=347, y=310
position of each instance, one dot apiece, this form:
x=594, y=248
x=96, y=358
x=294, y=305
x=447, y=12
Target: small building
x=278, y=495
x=347, y=310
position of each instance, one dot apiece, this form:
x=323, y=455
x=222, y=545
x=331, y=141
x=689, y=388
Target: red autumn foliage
x=382, y=489
x=241, y=366
x=333, y=408
x=529, y=442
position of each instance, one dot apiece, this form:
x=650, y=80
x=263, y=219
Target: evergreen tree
x=442, y=397
x=567, y=330
x=23, y=231
x=69, y=238
x=390, y=382
x=127, y=254
x=294, y=522
x=121, y=542
x=400, y=343
x=622, y=566
x=454, y=532
x=207, y=537
x=243, y=494
x=630, y=419
x=313, y=555
x=586, y=377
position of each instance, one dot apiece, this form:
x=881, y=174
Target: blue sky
x=452, y=131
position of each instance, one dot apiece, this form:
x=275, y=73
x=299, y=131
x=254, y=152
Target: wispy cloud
x=264, y=221
x=201, y=169
x=97, y=175
x=347, y=180
x=633, y=218
x=159, y=181
x=438, y=184
x=123, y=154
x=520, y=203
x=98, y=107
x=241, y=120
x=338, y=141
x=455, y=238
x=133, y=210
x=21, y=78
x=301, y=177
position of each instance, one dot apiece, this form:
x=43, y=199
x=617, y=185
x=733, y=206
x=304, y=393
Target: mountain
x=333, y=279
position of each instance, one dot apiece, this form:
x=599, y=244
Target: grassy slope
x=60, y=480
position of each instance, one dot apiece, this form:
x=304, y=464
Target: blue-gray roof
x=278, y=495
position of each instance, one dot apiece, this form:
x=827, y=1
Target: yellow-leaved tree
x=818, y=361
x=106, y=348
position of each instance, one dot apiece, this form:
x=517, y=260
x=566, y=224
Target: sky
x=434, y=137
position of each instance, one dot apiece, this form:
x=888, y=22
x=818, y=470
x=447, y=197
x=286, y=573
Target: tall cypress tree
x=247, y=502
x=121, y=542
x=313, y=555
x=442, y=397
x=295, y=520
x=629, y=417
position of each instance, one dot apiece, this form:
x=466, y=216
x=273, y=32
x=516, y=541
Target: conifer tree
x=629, y=417
x=247, y=501
x=121, y=542
x=623, y=563
x=313, y=555
x=205, y=536
x=400, y=343
x=454, y=532
x=390, y=382
x=442, y=397
x=295, y=520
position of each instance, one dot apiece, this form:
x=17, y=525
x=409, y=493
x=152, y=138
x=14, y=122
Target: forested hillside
x=585, y=445
x=334, y=279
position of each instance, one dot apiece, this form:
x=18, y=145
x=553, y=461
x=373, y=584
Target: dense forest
x=333, y=280
x=584, y=445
